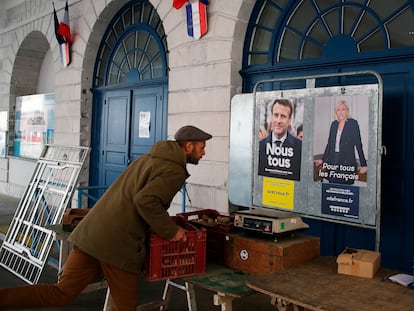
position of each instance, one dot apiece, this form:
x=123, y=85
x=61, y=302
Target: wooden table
x=227, y=284
x=316, y=285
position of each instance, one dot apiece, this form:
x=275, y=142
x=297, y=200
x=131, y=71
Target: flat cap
x=190, y=132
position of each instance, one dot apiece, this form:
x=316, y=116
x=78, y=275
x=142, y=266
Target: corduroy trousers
x=79, y=270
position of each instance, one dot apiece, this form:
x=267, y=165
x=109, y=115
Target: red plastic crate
x=216, y=231
x=170, y=260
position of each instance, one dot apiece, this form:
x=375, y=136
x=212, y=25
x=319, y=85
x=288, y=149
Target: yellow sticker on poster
x=278, y=192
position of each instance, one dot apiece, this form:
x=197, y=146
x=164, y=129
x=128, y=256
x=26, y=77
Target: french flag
x=62, y=33
x=197, y=19
x=177, y=4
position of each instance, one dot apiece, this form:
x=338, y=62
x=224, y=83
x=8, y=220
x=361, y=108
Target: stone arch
x=103, y=16
x=26, y=68
x=27, y=63
x=95, y=28
x=174, y=26
x=243, y=15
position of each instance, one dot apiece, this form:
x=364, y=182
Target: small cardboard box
x=358, y=262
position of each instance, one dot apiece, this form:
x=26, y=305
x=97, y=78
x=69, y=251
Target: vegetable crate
x=170, y=260
x=218, y=227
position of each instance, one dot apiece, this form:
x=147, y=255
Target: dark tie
x=278, y=143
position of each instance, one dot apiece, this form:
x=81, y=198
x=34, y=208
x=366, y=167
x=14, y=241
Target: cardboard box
x=262, y=255
x=359, y=262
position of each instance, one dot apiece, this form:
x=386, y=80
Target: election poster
x=341, y=140
x=280, y=138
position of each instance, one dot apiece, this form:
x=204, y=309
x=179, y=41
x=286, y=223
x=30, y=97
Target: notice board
x=327, y=164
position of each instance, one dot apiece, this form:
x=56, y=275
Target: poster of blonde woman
x=340, y=139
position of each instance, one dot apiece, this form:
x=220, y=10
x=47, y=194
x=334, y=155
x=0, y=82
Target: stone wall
x=203, y=76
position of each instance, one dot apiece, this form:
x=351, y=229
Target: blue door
x=129, y=87
x=133, y=120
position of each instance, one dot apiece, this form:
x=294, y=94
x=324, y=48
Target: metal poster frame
x=247, y=186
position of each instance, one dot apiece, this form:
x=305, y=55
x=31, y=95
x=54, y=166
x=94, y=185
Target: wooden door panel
x=147, y=102
x=116, y=129
x=118, y=141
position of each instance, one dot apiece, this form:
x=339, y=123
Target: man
x=111, y=238
x=299, y=132
x=280, y=152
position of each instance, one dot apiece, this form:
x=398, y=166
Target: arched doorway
x=130, y=86
x=312, y=37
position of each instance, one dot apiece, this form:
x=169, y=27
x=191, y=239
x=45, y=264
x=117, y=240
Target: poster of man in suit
x=280, y=150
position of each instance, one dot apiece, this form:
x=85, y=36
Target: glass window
x=400, y=34
x=131, y=53
x=34, y=124
x=312, y=27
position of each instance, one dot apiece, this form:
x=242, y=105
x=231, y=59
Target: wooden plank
x=316, y=285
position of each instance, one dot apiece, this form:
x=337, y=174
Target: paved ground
x=149, y=291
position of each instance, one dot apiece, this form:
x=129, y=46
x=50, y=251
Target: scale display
x=268, y=221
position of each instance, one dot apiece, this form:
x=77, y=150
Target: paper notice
x=144, y=124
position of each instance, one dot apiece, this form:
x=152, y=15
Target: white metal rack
x=27, y=244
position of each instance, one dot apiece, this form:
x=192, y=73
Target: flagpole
x=62, y=33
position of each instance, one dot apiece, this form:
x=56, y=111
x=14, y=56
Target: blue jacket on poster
x=350, y=139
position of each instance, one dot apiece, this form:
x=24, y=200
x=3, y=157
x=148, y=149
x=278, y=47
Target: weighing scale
x=271, y=222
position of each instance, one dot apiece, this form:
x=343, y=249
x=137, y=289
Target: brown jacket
x=114, y=230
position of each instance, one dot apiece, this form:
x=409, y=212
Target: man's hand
x=318, y=162
x=362, y=169
x=179, y=236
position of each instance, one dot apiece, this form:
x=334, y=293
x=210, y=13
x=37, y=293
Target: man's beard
x=192, y=158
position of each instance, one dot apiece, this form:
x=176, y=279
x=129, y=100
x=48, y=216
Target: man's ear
x=188, y=146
